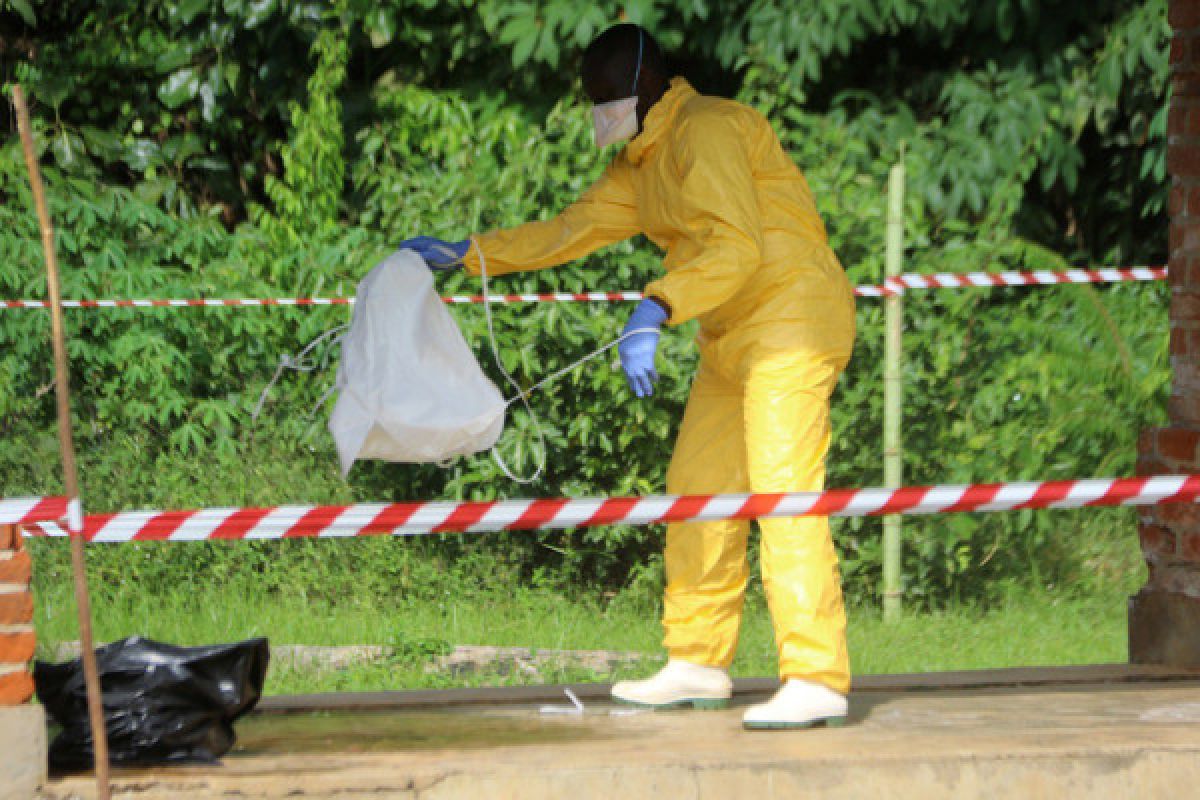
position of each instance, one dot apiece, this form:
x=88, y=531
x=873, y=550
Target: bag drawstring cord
x=523, y=394
x=301, y=363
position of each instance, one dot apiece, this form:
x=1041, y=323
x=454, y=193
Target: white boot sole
x=698, y=703
x=782, y=725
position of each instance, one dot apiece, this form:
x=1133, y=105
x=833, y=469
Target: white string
x=523, y=394
x=300, y=363
x=580, y=362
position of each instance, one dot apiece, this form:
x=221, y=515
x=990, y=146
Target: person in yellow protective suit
x=707, y=180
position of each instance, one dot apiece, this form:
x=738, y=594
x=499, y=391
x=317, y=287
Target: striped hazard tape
x=25, y=510
x=893, y=286
x=284, y=522
x=949, y=280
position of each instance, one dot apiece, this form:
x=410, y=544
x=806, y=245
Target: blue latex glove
x=637, y=352
x=438, y=253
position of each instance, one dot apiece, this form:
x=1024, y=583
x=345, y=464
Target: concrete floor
x=22, y=751
x=1085, y=734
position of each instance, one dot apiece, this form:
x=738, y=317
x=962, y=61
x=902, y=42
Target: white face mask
x=616, y=121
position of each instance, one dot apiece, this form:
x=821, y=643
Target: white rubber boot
x=798, y=704
x=677, y=684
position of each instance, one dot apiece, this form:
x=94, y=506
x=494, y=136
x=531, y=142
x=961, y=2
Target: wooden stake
x=66, y=445
x=893, y=396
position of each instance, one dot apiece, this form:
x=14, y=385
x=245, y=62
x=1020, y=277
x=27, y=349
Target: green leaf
x=186, y=10
x=523, y=49
x=23, y=8
x=380, y=25
x=258, y=11
x=179, y=88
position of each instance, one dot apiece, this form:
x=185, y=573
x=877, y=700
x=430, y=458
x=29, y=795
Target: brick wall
x=16, y=620
x=1164, y=621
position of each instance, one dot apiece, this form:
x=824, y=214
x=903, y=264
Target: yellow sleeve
x=604, y=214
x=721, y=240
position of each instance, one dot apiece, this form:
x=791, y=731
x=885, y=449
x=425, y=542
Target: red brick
x=1184, y=408
x=1189, y=547
x=1180, y=517
x=1184, y=272
x=1184, y=135
x=1191, y=341
x=1183, y=159
x=1188, y=43
x=16, y=688
x=1176, y=201
x=1176, y=120
x=1173, y=578
x=1184, y=580
x=16, y=648
x=1185, y=306
x=1179, y=272
x=1148, y=465
x=1183, y=14
x=1186, y=69
x=1157, y=542
x=16, y=608
x=1147, y=442
x=1178, y=443
x=1187, y=381
x=1191, y=233
x=16, y=569
x=1185, y=82
x=1178, y=49
x=9, y=540
x=1185, y=398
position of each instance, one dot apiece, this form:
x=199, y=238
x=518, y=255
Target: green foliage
x=279, y=149
x=308, y=199
x=1025, y=628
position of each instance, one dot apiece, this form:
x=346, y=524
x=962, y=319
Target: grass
x=1030, y=628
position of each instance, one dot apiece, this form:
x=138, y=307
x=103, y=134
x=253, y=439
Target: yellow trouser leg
x=706, y=561
x=757, y=420
x=786, y=409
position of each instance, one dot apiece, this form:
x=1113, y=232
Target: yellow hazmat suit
x=746, y=254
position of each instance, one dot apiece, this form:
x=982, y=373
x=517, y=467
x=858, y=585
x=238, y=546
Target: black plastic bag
x=162, y=704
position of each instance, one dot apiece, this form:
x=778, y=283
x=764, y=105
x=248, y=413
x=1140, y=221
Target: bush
x=294, y=177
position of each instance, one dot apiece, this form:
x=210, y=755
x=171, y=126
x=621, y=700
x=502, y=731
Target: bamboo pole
x=893, y=394
x=66, y=445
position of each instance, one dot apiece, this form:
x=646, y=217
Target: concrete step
x=1125, y=733
x=460, y=660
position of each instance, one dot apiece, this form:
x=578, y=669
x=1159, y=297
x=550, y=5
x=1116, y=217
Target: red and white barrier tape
x=458, y=299
x=949, y=280
x=893, y=286
x=477, y=517
x=26, y=510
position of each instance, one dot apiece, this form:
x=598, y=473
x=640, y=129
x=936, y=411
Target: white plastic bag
x=410, y=388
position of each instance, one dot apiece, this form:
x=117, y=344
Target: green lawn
x=1029, y=629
